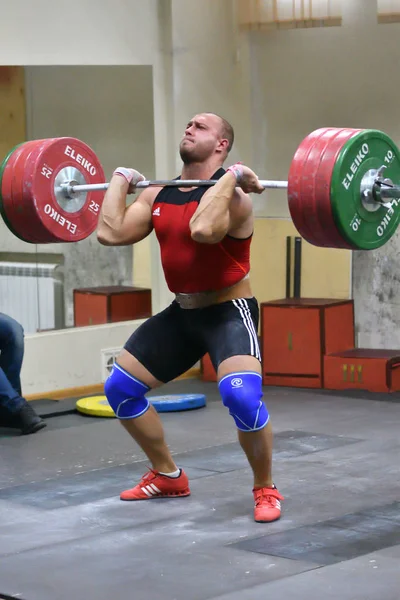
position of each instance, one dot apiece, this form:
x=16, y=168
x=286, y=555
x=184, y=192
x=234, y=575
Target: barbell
x=340, y=189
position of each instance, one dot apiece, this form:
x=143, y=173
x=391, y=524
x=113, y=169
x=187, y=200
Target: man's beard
x=191, y=154
x=187, y=156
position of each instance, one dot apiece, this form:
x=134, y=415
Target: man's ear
x=223, y=146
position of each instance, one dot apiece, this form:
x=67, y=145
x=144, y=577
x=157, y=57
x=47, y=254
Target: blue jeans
x=11, y=356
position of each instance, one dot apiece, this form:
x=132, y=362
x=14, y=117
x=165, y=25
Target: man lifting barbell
x=205, y=236
x=341, y=195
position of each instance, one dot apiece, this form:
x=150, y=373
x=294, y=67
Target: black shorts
x=172, y=341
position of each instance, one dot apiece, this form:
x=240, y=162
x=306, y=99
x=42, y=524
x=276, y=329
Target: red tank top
x=189, y=266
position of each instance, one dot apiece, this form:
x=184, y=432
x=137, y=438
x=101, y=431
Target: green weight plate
x=363, y=228
x=3, y=164
x=2, y=209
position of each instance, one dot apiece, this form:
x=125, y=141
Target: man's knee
x=11, y=330
x=242, y=394
x=126, y=394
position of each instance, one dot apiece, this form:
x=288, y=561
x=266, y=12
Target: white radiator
x=33, y=294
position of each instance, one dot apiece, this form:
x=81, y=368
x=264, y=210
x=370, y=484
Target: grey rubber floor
x=65, y=534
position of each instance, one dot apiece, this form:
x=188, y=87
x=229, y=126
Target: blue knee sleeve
x=125, y=394
x=242, y=394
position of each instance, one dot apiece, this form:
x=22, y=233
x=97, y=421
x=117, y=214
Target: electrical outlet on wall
x=108, y=357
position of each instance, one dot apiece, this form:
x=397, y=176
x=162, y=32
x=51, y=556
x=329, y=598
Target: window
x=288, y=14
x=388, y=11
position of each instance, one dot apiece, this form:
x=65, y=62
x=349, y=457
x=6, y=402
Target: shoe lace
x=267, y=496
x=149, y=476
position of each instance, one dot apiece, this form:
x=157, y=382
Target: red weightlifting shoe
x=267, y=504
x=154, y=485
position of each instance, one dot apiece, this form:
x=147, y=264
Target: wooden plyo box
x=296, y=333
x=363, y=368
x=110, y=304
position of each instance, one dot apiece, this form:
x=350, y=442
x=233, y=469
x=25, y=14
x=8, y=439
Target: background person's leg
x=10, y=399
x=15, y=411
x=12, y=350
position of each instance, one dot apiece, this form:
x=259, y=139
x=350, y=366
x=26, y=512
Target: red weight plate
x=296, y=200
x=307, y=188
x=45, y=163
x=21, y=223
x=25, y=199
x=317, y=209
x=12, y=216
x=324, y=176
x=29, y=219
x=23, y=204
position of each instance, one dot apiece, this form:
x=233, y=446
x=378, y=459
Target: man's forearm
x=210, y=222
x=114, y=205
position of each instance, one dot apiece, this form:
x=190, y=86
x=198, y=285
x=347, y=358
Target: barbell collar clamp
x=384, y=190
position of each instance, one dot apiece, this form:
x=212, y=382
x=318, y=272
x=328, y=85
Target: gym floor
x=65, y=533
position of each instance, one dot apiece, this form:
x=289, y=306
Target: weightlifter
x=204, y=235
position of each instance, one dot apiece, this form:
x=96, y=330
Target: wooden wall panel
x=12, y=108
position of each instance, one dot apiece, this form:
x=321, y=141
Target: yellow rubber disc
x=96, y=406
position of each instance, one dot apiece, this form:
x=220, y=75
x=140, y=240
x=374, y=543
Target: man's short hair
x=227, y=131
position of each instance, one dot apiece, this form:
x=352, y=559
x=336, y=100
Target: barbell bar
x=379, y=193
x=70, y=189
x=340, y=189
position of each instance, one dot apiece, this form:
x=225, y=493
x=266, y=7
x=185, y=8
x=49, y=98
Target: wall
x=12, y=109
x=79, y=32
x=72, y=358
x=208, y=74
x=324, y=273
x=305, y=79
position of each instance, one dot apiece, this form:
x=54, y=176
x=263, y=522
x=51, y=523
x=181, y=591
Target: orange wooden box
x=296, y=333
x=207, y=370
x=363, y=368
x=110, y=304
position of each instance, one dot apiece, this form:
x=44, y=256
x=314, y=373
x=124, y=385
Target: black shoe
x=25, y=419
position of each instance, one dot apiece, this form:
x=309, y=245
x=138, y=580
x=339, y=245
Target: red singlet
x=189, y=266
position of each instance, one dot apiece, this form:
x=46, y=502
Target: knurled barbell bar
x=340, y=189
x=70, y=189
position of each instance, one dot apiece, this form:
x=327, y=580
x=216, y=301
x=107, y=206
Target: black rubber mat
x=103, y=483
x=53, y=408
x=287, y=444
x=335, y=540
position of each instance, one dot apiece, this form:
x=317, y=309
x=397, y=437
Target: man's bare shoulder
x=148, y=195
